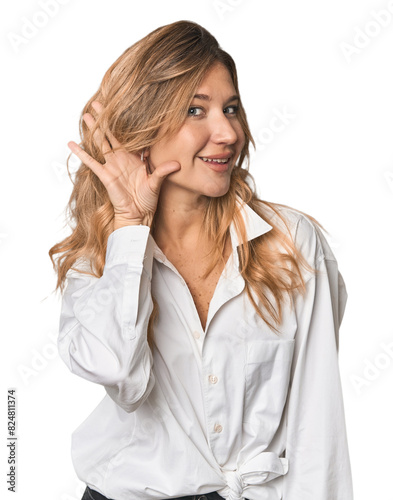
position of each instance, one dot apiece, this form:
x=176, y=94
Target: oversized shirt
x=234, y=407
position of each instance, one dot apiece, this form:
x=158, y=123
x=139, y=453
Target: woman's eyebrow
x=205, y=97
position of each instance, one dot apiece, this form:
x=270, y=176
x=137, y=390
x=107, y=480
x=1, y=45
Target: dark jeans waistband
x=90, y=494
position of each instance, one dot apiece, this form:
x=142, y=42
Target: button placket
x=218, y=428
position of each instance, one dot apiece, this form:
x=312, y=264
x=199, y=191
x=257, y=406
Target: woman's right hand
x=132, y=191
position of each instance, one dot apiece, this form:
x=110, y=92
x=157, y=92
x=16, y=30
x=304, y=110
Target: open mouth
x=217, y=164
x=218, y=161
x=215, y=161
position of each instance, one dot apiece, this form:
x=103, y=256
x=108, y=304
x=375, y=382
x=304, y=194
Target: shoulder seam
x=321, y=254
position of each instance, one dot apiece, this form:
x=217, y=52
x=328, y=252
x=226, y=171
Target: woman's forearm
x=103, y=324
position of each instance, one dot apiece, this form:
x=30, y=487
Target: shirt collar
x=255, y=224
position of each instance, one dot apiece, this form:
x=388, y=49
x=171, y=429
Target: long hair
x=147, y=92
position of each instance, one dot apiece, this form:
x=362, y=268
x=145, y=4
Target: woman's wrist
x=124, y=221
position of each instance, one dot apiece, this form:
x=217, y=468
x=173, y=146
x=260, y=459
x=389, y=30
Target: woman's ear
x=144, y=154
x=145, y=159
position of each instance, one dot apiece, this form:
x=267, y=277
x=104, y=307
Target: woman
x=210, y=317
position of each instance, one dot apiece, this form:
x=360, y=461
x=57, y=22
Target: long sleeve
x=103, y=322
x=317, y=448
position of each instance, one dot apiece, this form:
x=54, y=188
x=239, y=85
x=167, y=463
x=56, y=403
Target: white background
x=332, y=159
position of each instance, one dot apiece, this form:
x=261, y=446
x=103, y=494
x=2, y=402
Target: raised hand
x=132, y=191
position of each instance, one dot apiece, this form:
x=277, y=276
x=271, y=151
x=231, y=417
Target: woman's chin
x=219, y=189
x=211, y=189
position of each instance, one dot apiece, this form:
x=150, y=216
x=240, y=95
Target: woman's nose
x=222, y=131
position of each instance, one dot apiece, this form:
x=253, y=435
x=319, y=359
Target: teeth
x=216, y=160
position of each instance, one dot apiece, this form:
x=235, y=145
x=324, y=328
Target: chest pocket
x=267, y=374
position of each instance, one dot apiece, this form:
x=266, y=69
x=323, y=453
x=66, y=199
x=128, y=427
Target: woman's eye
x=231, y=110
x=194, y=111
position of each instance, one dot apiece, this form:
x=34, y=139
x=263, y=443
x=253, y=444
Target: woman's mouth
x=217, y=164
x=215, y=160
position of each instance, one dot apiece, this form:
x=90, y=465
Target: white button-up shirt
x=233, y=408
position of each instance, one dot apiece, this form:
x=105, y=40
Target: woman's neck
x=178, y=222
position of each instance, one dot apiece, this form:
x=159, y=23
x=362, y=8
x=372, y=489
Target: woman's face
x=208, y=143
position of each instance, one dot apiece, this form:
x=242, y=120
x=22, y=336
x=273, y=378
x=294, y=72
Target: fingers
x=103, y=143
x=99, y=137
x=115, y=143
x=94, y=165
x=99, y=108
x=161, y=172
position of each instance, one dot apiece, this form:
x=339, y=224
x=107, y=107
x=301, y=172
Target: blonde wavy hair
x=146, y=94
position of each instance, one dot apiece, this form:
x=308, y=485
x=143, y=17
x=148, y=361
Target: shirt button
x=218, y=428
x=196, y=335
x=213, y=379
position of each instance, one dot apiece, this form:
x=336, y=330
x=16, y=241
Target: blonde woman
x=210, y=317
